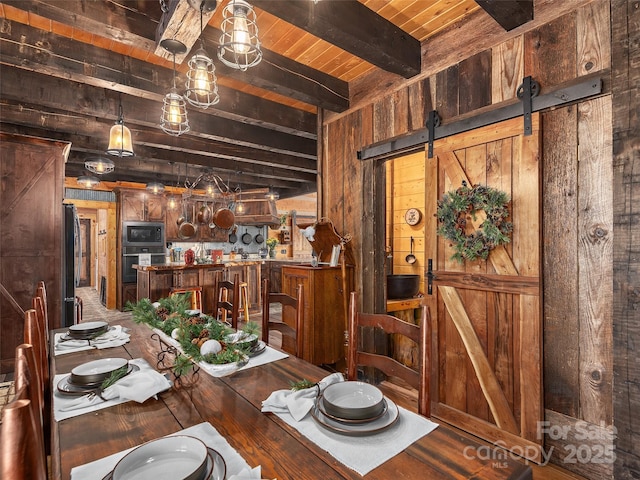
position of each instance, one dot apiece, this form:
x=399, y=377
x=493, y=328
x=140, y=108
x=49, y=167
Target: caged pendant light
x=239, y=45
x=174, y=119
x=120, y=137
x=202, y=87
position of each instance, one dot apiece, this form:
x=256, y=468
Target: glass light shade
x=172, y=203
x=99, y=165
x=202, y=87
x=239, y=207
x=88, y=181
x=120, y=140
x=239, y=44
x=271, y=195
x=174, y=119
x=155, y=187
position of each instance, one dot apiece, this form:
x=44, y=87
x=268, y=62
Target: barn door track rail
x=528, y=95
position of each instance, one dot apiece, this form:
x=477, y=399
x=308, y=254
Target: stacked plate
x=88, y=330
x=177, y=457
x=354, y=408
x=90, y=376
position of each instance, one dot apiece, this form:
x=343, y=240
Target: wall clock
x=413, y=216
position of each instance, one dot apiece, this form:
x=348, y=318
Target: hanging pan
x=411, y=258
x=224, y=218
x=246, y=237
x=187, y=230
x=233, y=237
x=259, y=238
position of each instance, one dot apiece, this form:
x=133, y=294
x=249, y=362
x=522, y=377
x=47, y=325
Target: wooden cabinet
x=31, y=233
x=129, y=293
x=141, y=206
x=324, y=313
x=189, y=277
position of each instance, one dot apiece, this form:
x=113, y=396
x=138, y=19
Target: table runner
x=97, y=469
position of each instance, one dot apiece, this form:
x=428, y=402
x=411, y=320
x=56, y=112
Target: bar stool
x=196, y=295
x=229, y=296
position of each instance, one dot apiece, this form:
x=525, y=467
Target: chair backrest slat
x=295, y=333
x=418, y=379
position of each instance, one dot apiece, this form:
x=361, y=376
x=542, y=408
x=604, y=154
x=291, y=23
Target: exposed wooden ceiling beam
x=180, y=22
x=508, y=13
x=354, y=28
x=81, y=99
x=278, y=74
x=33, y=49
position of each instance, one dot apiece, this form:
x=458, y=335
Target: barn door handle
x=430, y=277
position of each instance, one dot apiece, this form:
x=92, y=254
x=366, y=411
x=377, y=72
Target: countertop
x=224, y=263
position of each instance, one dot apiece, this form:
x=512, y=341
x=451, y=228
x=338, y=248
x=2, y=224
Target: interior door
x=487, y=337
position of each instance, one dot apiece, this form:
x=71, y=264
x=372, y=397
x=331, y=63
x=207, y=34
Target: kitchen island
x=156, y=281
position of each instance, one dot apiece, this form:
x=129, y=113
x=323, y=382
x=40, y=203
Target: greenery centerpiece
x=453, y=212
x=201, y=337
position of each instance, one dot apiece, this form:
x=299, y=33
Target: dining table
x=232, y=405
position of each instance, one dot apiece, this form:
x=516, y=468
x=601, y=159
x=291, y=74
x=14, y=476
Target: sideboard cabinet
x=325, y=315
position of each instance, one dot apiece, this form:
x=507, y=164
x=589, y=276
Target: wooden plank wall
x=567, y=40
x=625, y=15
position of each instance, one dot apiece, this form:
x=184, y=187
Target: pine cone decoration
x=162, y=313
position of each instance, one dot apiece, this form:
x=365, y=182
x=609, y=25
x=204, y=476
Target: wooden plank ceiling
x=66, y=65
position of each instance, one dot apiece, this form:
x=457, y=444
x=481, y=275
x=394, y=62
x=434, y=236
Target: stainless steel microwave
x=143, y=234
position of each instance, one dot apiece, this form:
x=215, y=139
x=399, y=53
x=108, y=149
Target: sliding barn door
x=487, y=334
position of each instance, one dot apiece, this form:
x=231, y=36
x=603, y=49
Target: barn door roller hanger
x=531, y=102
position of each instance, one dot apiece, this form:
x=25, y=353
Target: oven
x=143, y=234
x=130, y=257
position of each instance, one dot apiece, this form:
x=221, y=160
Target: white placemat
x=204, y=431
x=61, y=403
x=114, y=337
x=364, y=453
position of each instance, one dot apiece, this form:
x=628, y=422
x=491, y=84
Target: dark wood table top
x=232, y=405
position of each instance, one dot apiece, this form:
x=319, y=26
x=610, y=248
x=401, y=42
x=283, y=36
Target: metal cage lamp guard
x=174, y=119
x=239, y=44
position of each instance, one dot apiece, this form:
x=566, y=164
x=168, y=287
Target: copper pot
x=204, y=214
x=224, y=218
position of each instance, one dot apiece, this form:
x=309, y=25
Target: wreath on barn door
x=453, y=211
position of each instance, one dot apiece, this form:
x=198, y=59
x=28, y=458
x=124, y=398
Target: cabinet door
x=291, y=278
x=132, y=206
x=171, y=224
x=154, y=208
x=160, y=285
x=186, y=278
x=252, y=275
x=129, y=293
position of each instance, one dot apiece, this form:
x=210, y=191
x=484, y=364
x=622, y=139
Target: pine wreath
x=452, y=214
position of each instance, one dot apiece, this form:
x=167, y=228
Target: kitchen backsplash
x=239, y=246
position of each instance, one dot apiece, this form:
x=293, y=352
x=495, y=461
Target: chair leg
x=244, y=289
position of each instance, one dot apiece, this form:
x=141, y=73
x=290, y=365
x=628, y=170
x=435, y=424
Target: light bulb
x=240, y=38
x=172, y=203
x=202, y=85
x=100, y=166
x=174, y=111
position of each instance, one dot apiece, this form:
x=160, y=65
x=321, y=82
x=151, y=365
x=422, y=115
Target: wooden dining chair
x=292, y=308
x=41, y=318
x=227, y=300
x=34, y=335
x=27, y=386
x=22, y=454
x=418, y=379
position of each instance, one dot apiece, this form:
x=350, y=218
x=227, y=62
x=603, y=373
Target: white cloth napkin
x=298, y=403
x=246, y=474
x=98, y=469
x=139, y=386
x=114, y=337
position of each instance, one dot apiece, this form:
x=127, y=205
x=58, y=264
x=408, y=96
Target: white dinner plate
x=87, y=329
x=67, y=387
x=98, y=367
x=217, y=471
x=360, y=429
